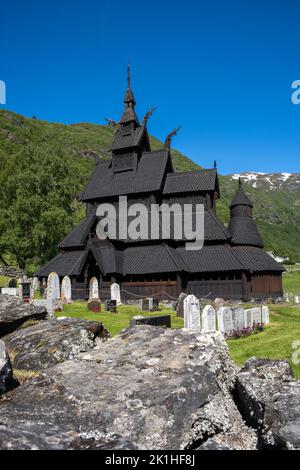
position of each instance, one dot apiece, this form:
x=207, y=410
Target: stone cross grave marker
x=265, y=314
x=53, y=289
x=66, y=289
x=238, y=318
x=225, y=322
x=94, y=288
x=191, y=309
x=208, y=319
x=115, y=293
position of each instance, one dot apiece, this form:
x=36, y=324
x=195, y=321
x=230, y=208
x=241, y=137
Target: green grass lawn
x=4, y=281
x=291, y=280
x=115, y=322
x=273, y=343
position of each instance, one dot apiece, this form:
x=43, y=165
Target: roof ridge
x=201, y=170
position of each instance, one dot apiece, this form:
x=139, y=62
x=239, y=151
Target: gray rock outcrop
x=51, y=342
x=151, y=388
x=6, y=376
x=14, y=312
x=269, y=400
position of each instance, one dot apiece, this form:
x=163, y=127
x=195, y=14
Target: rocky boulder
x=6, y=377
x=51, y=342
x=14, y=312
x=148, y=388
x=269, y=400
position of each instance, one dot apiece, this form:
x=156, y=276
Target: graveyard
x=275, y=342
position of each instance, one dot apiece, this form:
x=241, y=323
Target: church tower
x=242, y=227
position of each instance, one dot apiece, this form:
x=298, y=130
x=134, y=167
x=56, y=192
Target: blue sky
x=220, y=69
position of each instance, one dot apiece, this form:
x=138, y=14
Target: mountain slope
x=43, y=166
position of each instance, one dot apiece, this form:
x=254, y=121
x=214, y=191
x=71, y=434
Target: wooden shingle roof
x=255, y=259
x=244, y=232
x=79, y=234
x=148, y=177
x=64, y=264
x=190, y=181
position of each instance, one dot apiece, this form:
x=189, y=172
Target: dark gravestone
x=111, y=306
x=179, y=306
x=12, y=283
x=25, y=286
x=162, y=320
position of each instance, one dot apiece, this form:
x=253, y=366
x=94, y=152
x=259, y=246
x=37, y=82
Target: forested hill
x=43, y=166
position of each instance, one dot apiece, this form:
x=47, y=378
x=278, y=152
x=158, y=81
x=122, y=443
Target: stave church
x=232, y=263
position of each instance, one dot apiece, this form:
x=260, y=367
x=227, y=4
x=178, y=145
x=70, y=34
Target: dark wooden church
x=231, y=264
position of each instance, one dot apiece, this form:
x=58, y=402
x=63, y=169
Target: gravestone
x=192, y=313
x=253, y=316
x=179, y=306
x=66, y=289
x=238, y=318
x=150, y=304
x=9, y=291
x=160, y=320
x=218, y=303
x=208, y=319
x=13, y=283
x=35, y=284
x=115, y=293
x=53, y=290
x=265, y=314
x=94, y=305
x=94, y=288
x=225, y=322
x=257, y=315
x=296, y=299
x=111, y=306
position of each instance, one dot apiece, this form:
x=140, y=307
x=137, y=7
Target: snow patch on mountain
x=270, y=181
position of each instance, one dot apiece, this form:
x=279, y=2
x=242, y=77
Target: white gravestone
x=35, y=284
x=94, y=288
x=257, y=315
x=208, y=319
x=66, y=289
x=265, y=314
x=53, y=290
x=253, y=316
x=191, y=308
x=9, y=290
x=115, y=293
x=238, y=318
x=225, y=323
x=296, y=299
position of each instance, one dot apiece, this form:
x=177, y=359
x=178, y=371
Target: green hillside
x=43, y=166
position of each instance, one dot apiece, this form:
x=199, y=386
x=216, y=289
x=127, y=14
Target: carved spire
x=128, y=76
x=169, y=138
x=129, y=97
x=129, y=101
x=215, y=164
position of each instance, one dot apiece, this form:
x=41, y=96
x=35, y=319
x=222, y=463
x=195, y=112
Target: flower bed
x=248, y=331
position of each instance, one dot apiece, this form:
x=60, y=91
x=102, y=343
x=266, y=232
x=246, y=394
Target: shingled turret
x=242, y=227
